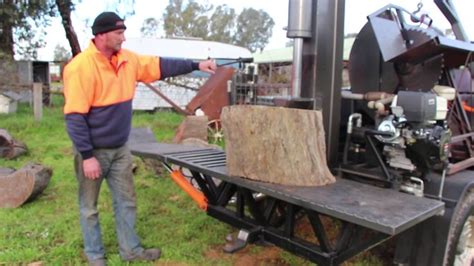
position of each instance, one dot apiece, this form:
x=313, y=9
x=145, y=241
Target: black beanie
x=107, y=21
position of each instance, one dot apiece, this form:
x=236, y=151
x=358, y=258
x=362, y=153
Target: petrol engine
x=407, y=102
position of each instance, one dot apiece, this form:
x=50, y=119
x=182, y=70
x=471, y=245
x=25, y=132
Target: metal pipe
x=351, y=96
x=350, y=124
x=448, y=10
x=297, y=66
x=299, y=27
x=441, y=186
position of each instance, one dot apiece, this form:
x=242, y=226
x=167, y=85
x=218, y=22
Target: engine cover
x=417, y=106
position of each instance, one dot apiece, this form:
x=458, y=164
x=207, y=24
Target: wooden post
x=38, y=101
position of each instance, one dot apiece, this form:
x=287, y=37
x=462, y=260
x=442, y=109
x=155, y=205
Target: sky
x=356, y=12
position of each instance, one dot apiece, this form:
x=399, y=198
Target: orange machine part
x=467, y=108
x=195, y=194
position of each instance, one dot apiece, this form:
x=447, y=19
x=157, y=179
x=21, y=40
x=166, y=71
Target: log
x=277, y=145
x=192, y=127
x=10, y=148
x=6, y=171
x=23, y=185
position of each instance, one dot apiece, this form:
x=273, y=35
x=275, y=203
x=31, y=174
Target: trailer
x=400, y=141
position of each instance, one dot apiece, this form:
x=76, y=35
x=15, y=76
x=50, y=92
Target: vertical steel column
x=299, y=27
x=297, y=66
x=322, y=68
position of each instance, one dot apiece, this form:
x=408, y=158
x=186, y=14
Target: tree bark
x=274, y=144
x=23, y=185
x=192, y=127
x=9, y=147
x=65, y=7
x=7, y=9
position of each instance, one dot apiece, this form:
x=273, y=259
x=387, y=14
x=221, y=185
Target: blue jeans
x=116, y=166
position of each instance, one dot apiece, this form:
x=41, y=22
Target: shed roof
x=186, y=48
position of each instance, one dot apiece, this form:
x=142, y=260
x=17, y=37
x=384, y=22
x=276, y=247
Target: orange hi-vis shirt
x=91, y=80
x=98, y=96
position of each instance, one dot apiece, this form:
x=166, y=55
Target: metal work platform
x=346, y=200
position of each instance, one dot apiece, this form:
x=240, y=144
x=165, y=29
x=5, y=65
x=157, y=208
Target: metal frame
x=256, y=216
x=273, y=219
x=322, y=68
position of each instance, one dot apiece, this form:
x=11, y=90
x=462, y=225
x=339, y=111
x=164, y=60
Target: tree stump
x=23, y=185
x=274, y=144
x=9, y=147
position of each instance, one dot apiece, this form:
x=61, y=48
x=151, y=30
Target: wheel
x=461, y=234
x=215, y=132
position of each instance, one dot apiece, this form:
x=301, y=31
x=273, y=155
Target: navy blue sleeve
x=78, y=131
x=171, y=67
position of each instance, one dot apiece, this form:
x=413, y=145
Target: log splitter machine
x=400, y=141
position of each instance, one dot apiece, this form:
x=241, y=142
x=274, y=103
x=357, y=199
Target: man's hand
x=91, y=168
x=208, y=66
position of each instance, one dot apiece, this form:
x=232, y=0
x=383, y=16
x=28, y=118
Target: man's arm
x=174, y=67
x=75, y=113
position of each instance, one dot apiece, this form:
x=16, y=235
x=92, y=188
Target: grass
x=47, y=230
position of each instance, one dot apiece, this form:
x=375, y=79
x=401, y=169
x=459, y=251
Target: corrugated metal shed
x=185, y=48
x=274, y=55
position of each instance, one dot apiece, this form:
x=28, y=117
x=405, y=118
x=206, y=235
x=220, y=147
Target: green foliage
x=23, y=24
x=186, y=21
x=222, y=24
x=251, y=28
x=254, y=28
x=150, y=27
x=61, y=54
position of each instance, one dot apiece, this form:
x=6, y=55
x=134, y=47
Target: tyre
x=460, y=248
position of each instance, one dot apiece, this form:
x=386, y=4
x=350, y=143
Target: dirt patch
x=254, y=255
x=248, y=256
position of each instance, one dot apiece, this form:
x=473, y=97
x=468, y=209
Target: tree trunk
x=65, y=8
x=23, y=185
x=274, y=144
x=7, y=10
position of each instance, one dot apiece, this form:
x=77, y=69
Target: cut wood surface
x=6, y=171
x=274, y=144
x=23, y=185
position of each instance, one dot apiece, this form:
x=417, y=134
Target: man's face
x=114, y=39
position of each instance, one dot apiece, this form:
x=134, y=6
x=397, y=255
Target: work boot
x=147, y=254
x=97, y=262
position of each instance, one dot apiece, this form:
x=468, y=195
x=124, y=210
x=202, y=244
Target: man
x=99, y=86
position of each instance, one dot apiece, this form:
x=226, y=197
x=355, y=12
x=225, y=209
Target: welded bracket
x=243, y=238
x=239, y=243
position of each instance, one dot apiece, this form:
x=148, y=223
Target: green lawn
x=47, y=229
